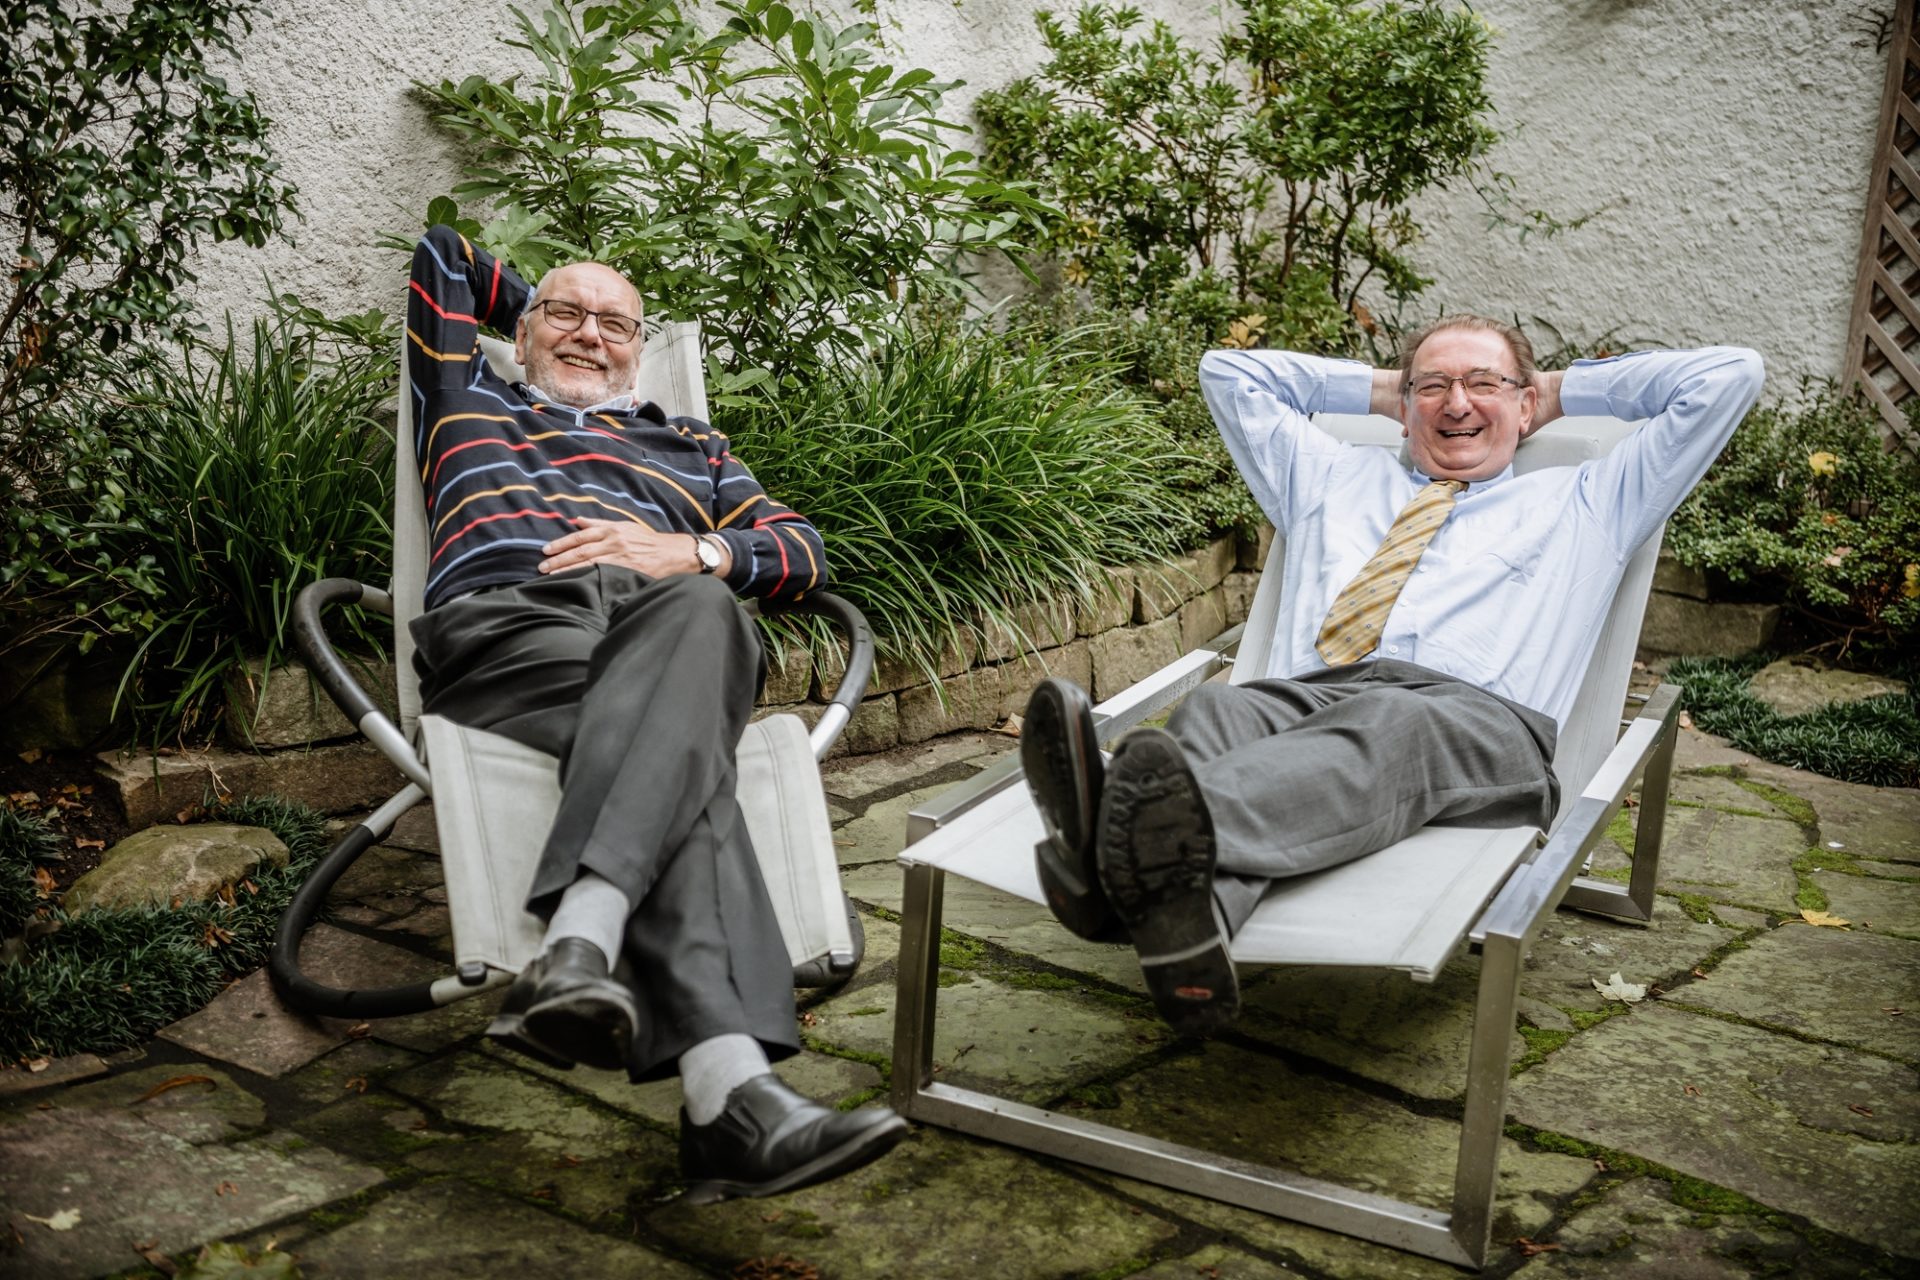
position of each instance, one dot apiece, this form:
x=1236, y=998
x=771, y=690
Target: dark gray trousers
x=641, y=687
x=1308, y=773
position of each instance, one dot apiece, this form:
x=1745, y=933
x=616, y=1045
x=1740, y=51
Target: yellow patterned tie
x=1352, y=629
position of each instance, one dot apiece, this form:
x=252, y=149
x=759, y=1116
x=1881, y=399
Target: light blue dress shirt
x=1513, y=591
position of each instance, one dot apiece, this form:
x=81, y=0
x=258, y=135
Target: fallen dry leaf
x=1698, y=972
x=1892, y=1010
x=214, y=936
x=1528, y=1248
x=226, y=1189
x=1859, y=1110
x=81, y=842
x=779, y=1267
x=567, y=1162
x=359, y=1031
x=150, y=1250
x=64, y=1220
x=43, y=882
x=356, y=1083
x=1600, y=1164
x=1686, y=721
x=177, y=1082
x=37, y=1065
x=1012, y=726
x=1690, y=1091
x=1617, y=988
x=30, y=756
x=809, y=1018
x=1824, y=919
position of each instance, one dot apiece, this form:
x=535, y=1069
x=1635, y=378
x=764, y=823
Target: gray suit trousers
x=641, y=687
x=1308, y=773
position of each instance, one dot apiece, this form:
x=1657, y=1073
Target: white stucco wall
x=1729, y=144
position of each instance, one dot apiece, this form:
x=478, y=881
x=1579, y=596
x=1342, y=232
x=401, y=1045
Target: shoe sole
x=594, y=1030
x=1156, y=864
x=509, y=1032
x=1056, y=753
x=862, y=1148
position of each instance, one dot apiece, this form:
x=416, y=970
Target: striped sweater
x=505, y=473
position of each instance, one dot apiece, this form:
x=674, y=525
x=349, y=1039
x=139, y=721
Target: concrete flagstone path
x=1758, y=1117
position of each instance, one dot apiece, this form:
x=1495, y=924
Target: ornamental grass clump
x=961, y=474
x=1875, y=741
x=251, y=468
x=106, y=979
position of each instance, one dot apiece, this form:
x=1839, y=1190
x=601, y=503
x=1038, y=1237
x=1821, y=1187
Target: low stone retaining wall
x=1682, y=618
x=1140, y=618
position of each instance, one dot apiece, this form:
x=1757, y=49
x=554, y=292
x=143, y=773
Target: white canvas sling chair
x=494, y=799
x=1408, y=907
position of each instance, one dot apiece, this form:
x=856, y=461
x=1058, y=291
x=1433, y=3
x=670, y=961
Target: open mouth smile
x=1465, y=433
x=580, y=362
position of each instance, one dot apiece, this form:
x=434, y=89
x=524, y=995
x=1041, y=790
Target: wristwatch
x=712, y=554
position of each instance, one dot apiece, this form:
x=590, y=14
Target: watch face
x=708, y=553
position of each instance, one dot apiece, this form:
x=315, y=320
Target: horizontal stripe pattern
x=504, y=475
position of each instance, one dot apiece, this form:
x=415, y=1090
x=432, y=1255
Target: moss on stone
x=958, y=951
x=1100, y=1097
x=1785, y=801
x=866, y=1012
x=1620, y=831
x=1540, y=1042
x=1120, y=1270
x=1696, y=908
x=1585, y=1018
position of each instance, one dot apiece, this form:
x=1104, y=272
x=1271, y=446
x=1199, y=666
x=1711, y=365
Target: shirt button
x=1421, y=569
x=1393, y=648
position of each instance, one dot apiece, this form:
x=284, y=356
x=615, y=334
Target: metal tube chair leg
x=1634, y=900
x=918, y=985
x=1489, y=1058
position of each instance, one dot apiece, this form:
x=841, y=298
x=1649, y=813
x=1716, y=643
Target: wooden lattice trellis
x=1883, y=343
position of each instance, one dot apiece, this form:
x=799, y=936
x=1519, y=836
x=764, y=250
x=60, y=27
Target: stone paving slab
x=1573, y=948
x=876, y=836
x=344, y=959
x=58, y=1071
x=1216, y=1263
x=1636, y=1229
x=1719, y=791
x=938, y=1205
x=1024, y=1044
x=857, y=777
x=1253, y=1107
x=453, y=1229
x=164, y=1170
x=1860, y=977
x=247, y=1026
x=1725, y=857
x=1763, y=1114
x=1872, y=822
x=1873, y=903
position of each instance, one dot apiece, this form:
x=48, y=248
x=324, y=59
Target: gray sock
x=713, y=1069
x=594, y=909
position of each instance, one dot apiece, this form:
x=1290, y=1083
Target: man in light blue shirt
x=1455, y=654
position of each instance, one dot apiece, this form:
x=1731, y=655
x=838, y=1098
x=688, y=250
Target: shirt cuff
x=1584, y=389
x=1348, y=387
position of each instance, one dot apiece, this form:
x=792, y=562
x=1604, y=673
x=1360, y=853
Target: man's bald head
x=581, y=367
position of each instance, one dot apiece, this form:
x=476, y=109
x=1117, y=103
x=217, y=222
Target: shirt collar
x=1473, y=486
x=622, y=403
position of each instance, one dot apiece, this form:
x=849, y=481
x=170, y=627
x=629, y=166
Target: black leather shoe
x=769, y=1139
x=1156, y=855
x=1061, y=758
x=565, y=1008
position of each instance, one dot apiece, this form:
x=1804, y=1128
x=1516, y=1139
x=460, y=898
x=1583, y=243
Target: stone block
x=1042, y=624
x=333, y=779
x=57, y=700
x=1252, y=551
x=1217, y=560
x=1203, y=617
x=1680, y=625
x=875, y=726
x=1161, y=587
x=163, y=865
x=1110, y=604
x=68, y=1070
x=1795, y=686
x=789, y=674
x=1125, y=657
x=1239, y=589
x=975, y=699
x=284, y=706
x=892, y=673
x=1676, y=579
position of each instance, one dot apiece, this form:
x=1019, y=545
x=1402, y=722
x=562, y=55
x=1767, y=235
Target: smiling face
x=1461, y=437
x=580, y=368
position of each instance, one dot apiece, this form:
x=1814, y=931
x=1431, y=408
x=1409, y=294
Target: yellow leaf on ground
x=1824, y=919
x=65, y=1220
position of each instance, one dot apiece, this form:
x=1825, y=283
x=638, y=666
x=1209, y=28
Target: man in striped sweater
x=586, y=552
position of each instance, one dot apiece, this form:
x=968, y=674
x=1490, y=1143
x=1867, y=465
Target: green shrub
x=1875, y=741
x=122, y=154
x=1807, y=504
x=963, y=473
x=249, y=471
x=1256, y=192
x=25, y=841
x=109, y=979
x=773, y=179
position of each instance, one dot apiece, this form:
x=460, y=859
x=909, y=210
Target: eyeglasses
x=1480, y=384
x=568, y=316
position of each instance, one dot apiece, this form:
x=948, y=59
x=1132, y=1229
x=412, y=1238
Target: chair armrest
x=852, y=624
x=310, y=638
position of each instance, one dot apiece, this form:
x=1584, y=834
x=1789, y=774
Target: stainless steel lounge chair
x=494, y=799
x=1409, y=907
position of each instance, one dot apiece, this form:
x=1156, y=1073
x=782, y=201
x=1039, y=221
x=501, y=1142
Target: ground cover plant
x=773, y=178
x=105, y=979
x=121, y=155
x=1260, y=189
x=250, y=466
x=1808, y=505
x=1875, y=741
x=961, y=472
